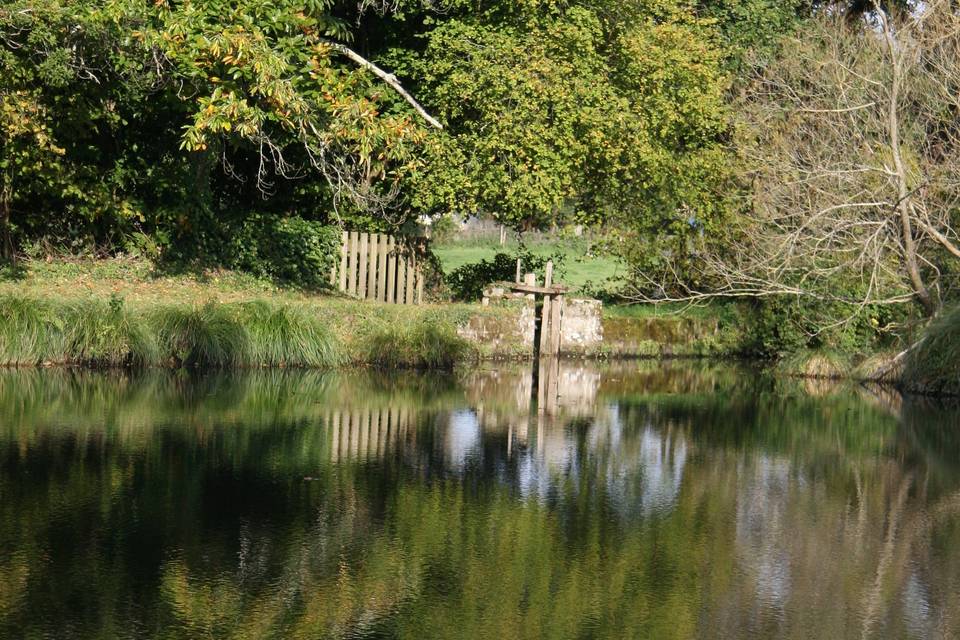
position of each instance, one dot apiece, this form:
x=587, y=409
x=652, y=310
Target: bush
x=290, y=251
x=934, y=365
x=781, y=326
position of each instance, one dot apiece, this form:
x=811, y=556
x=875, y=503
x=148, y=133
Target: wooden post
x=519, y=269
x=548, y=277
x=545, y=318
x=391, y=269
x=382, y=267
x=344, y=244
x=556, y=320
x=531, y=280
x=503, y=235
x=354, y=254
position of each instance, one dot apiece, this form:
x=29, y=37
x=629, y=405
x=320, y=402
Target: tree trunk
x=6, y=239
x=904, y=204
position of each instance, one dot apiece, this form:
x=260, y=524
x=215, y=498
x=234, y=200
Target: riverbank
x=124, y=313
x=121, y=312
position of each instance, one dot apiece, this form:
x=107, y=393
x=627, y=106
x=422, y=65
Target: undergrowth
x=934, y=365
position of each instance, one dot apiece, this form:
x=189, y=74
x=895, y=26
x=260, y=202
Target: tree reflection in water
x=639, y=500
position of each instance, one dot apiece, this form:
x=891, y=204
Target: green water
x=646, y=501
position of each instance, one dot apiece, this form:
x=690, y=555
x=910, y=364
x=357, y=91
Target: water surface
x=629, y=501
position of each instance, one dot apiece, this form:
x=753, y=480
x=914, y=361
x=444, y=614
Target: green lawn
x=577, y=270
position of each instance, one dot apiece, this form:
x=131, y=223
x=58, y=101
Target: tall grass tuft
x=419, y=343
x=31, y=331
x=934, y=365
x=210, y=336
x=287, y=336
x=102, y=334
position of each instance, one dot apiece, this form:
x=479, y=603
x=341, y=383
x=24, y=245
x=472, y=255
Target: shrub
x=291, y=250
x=934, y=365
x=780, y=326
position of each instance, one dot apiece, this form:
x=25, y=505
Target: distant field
x=577, y=269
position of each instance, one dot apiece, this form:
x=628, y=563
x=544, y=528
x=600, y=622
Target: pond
x=631, y=500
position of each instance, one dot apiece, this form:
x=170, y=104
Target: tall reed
x=934, y=365
x=256, y=334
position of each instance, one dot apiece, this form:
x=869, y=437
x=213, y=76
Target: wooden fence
x=375, y=266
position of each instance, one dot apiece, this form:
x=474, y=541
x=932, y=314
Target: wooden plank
x=362, y=272
x=401, y=279
x=411, y=270
x=555, y=290
x=391, y=270
x=354, y=250
x=545, y=327
x=382, y=267
x=556, y=320
x=344, y=243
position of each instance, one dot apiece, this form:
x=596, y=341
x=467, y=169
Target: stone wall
x=581, y=331
x=509, y=333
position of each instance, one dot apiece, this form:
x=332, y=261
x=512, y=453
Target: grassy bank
x=933, y=366
x=122, y=313
x=255, y=333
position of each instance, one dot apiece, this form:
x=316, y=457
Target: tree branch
x=389, y=78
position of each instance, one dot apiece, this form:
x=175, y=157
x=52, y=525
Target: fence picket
x=354, y=255
x=373, y=266
x=411, y=269
x=391, y=270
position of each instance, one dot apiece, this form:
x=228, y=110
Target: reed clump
x=933, y=365
x=429, y=342
x=248, y=334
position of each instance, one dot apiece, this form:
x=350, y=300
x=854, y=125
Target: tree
x=850, y=145
x=560, y=111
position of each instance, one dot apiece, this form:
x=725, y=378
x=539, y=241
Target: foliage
x=290, y=251
x=779, y=326
x=933, y=367
x=588, y=104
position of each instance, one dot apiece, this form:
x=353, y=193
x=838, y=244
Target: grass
x=933, y=367
x=580, y=269
x=120, y=313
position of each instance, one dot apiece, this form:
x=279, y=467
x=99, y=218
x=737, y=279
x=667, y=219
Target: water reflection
x=632, y=500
